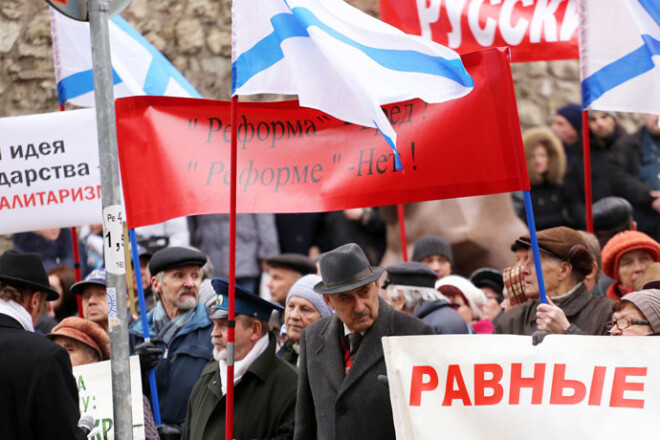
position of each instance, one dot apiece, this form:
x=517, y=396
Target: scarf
x=166, y=328
x=240, y=367
x=16, y=311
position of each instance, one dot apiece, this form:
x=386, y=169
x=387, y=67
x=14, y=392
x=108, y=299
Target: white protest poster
x=500, y=387
x=49, y=171
x=95, y=394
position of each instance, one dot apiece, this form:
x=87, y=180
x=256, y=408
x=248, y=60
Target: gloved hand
x=150, y=353
x=169, y=432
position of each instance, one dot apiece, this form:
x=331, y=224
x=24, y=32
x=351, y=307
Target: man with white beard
x=180, y=330
x=265, y=385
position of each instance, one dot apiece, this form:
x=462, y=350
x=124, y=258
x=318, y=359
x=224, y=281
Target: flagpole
x=98, y=17
x=535, y=246
x=402, y=229
x=586, y=156
x=155, y=404
x=76, y=266
x=76, y=257
x=231, y=323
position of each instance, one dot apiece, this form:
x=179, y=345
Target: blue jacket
x=181, y=366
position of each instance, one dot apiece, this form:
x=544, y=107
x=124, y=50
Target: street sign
x=77, y=9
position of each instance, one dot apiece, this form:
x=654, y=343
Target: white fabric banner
x=95, y=395
x=502, y=387
x=49, y=171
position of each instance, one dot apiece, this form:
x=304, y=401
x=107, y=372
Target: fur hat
x=82, y=330
x=555, y=150
x=623, y=242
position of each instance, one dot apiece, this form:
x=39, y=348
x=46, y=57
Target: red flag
x=535, y=30
x=174, y=152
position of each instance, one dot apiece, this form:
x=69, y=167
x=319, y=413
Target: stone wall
x=195, y=36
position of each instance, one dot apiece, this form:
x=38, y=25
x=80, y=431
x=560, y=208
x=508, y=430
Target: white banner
x=49, y=171
x=95, y=394
x=502, y=387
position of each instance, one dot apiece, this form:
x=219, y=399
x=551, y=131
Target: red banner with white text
x=534, y=29
x=174, y=152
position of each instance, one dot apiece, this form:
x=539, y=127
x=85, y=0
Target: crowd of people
x=308, y=358
x=625, y=165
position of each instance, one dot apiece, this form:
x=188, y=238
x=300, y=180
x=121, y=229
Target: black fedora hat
x=345, y=268
x=26, y=270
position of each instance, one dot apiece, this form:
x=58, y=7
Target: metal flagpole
x=155, y=403
x=231, y=323
x=98, y=11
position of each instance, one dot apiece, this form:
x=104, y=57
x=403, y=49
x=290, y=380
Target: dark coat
x=636, y=171
x=587, y=314
x=442, y=318
x=601, y=178
x=39, y=397
x=334, y=405
x=625, y=159
x=264, y=401
x=176, y=374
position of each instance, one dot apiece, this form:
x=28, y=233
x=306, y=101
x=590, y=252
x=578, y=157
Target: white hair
x=413, y=296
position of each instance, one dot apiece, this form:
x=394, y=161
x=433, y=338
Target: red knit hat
x=623, y=242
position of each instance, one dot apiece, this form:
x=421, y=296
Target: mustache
x=186, y=291
x=219, y=354
x=218, y=341
x=365, y=312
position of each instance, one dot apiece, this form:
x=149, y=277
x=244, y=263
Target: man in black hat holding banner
x=341, y=356
x=39, y=393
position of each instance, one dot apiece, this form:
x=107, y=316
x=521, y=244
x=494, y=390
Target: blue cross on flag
x=339, y=60
x=138, y=68
x=619, y=54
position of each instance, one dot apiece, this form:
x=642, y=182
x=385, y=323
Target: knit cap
x=82, y=330
x=475, y=296
x=622, y=243
x=432, y=245
x=573, y=114
x=304, y=288
x=648, y=302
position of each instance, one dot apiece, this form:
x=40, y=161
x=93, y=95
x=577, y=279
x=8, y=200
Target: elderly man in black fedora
x=341, y=356
x=39, y=393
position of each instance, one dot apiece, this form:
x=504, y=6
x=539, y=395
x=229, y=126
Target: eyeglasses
x=624, y=323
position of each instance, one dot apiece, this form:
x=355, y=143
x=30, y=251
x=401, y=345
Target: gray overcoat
x=334, y=405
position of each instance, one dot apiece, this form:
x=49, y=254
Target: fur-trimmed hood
x=556, y=155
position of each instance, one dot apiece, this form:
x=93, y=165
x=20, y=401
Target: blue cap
x=247, y=303
x=95, y=278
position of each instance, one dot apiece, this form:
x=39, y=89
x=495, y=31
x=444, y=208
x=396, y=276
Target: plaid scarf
x=166, y=328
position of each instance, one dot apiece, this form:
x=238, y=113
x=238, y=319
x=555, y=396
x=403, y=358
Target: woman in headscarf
x=303, y=307
x=636, y=314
